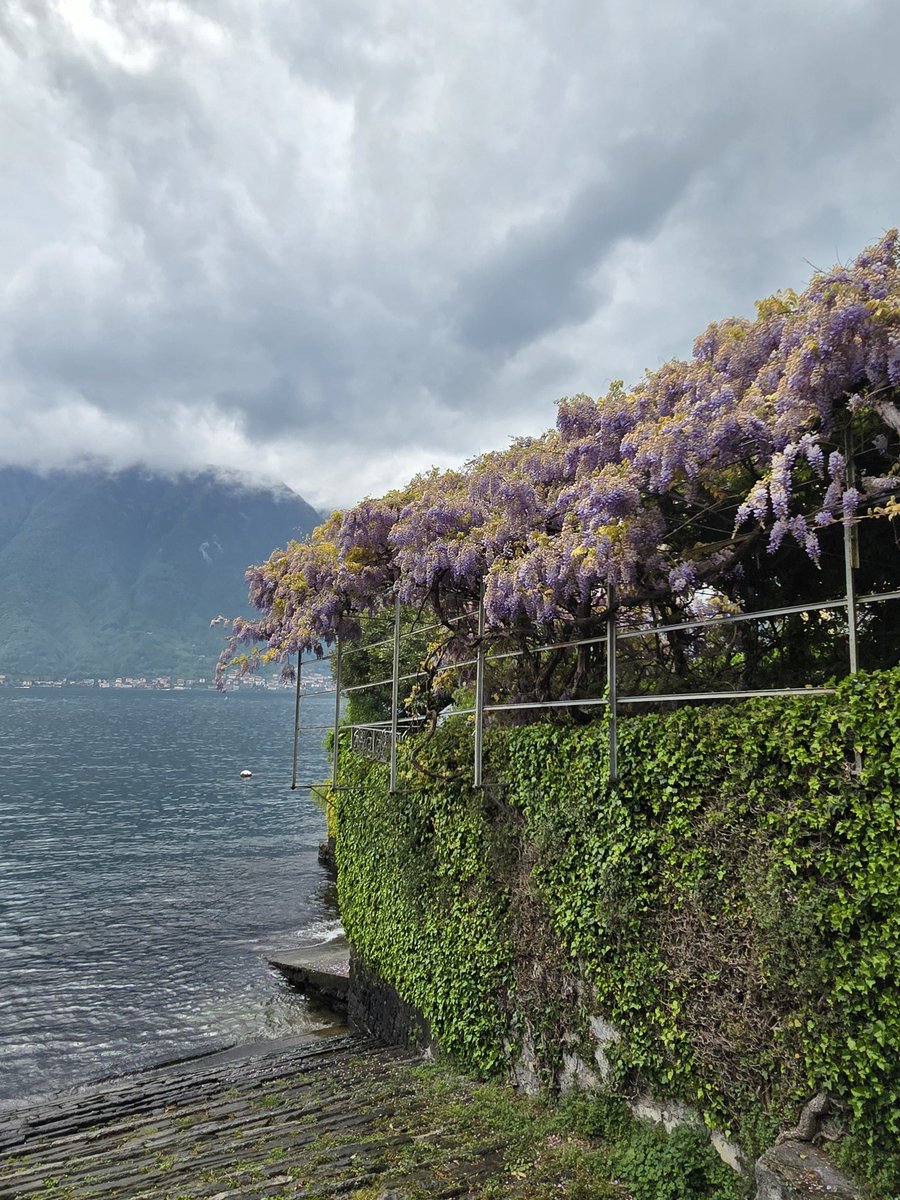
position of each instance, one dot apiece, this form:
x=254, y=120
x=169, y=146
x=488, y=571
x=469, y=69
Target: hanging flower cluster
x=651, y=491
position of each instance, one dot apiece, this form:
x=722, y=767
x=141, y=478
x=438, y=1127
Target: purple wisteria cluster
x=654, y=491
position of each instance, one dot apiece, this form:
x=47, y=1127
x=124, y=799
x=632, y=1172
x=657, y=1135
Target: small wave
x=317, y=933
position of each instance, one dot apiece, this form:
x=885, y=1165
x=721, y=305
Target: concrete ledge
x=321, y=972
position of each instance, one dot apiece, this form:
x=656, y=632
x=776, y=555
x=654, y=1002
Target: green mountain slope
x=104, y=575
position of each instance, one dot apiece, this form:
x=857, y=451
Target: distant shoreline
x=311, y=684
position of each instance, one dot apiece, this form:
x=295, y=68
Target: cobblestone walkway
x=333, y=1118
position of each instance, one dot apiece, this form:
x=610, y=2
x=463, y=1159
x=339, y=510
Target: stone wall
x=376, y=1009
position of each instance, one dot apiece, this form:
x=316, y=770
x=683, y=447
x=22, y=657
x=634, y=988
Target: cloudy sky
x=339, y=241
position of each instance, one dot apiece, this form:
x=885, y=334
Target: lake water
x=142, y=880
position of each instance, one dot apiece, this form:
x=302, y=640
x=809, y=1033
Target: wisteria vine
x=654, y=491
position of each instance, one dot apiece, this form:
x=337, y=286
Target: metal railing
x=381, y=738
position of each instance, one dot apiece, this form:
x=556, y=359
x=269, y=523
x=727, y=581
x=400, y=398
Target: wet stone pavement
x=339, y=1116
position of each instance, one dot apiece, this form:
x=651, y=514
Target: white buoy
x=246, y=774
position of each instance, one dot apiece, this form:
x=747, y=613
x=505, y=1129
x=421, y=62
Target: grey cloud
x=542, y=277
x=344, y=241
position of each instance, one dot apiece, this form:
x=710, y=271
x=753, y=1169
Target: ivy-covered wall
x=732, y=908
x=420, y=898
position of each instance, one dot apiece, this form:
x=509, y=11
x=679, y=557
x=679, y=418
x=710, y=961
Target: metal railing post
x=611, y=686
x=479, y=694
x=395, y=695
x=296, y=725
x=851, y=560
x=335, y=757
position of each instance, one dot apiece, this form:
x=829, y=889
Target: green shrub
x=681, y=1165
x=732, y=906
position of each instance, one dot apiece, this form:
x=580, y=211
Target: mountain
x=105, y=575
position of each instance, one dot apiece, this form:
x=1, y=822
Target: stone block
x=800, y=1171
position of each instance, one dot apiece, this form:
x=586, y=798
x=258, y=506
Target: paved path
x=298, y=1118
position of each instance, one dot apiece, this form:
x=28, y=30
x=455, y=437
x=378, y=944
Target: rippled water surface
x=142, y=880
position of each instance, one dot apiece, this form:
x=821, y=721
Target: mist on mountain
x=120, y=574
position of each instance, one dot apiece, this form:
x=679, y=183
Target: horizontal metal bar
x=550, y=646
x=368, y=646
x=709, y=622
x=466, y=662
x=417, y=629
x=456, y=666
x=741, y=695
x=586, y=703
x=589, y=703
x=383, y=724
x=359, y=687
x=435, y=625
x=390, y=641
x=876, y=596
